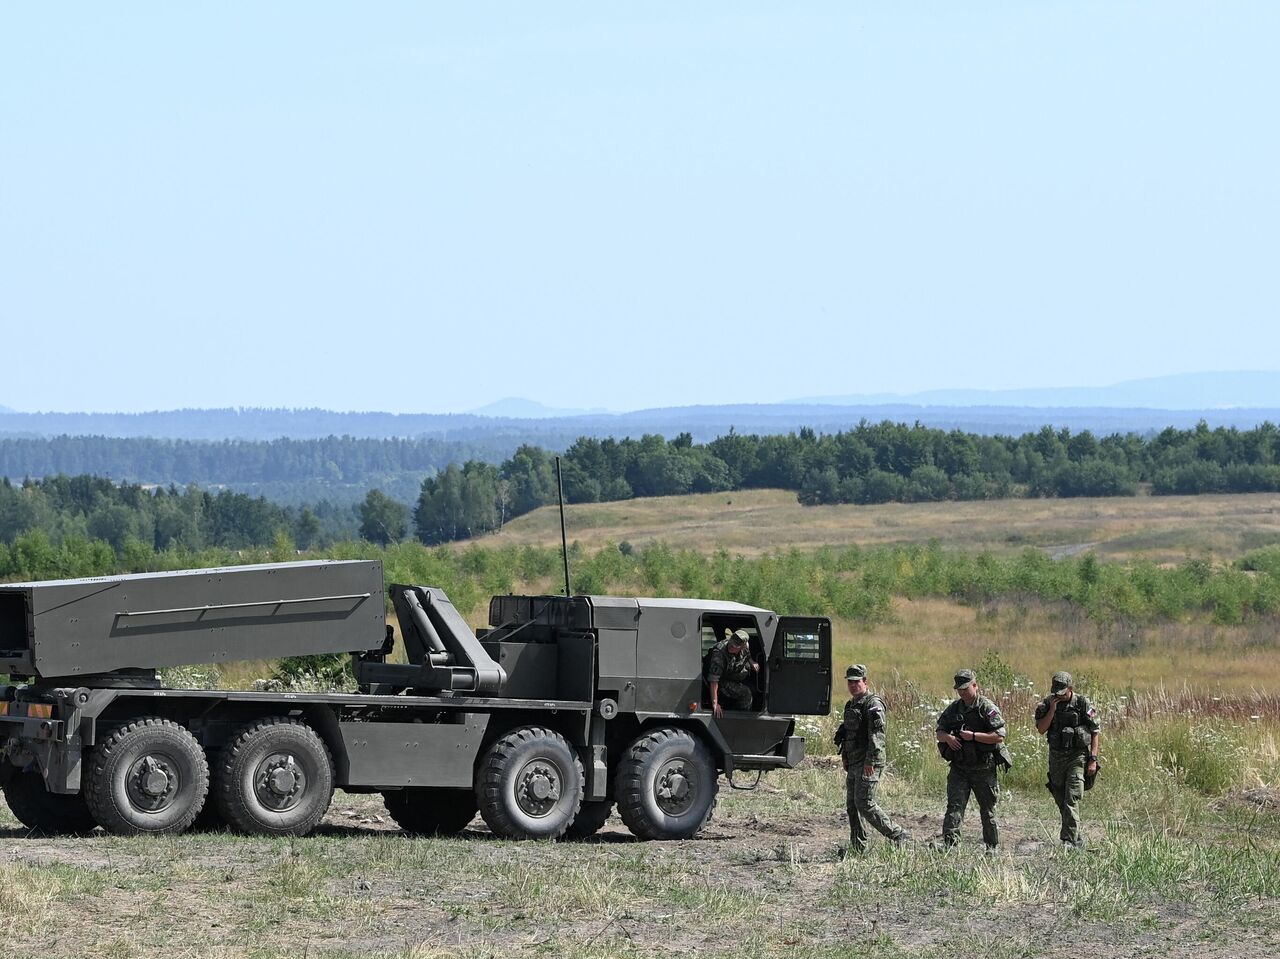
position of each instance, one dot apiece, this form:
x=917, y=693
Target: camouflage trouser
x=734, y=695
x=981, y=781
x=860, y=800
x=1066, y=782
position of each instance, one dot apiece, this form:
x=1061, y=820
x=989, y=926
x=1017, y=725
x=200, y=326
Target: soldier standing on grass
x=1070, y=724
x=971, y=730
x=861, y=740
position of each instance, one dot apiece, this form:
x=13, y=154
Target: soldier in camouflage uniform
x=861, y=741
x=728, y=669
x=1070, y=724
x=971, y=731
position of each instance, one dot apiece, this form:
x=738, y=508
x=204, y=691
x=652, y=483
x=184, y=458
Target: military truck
x=564, y=707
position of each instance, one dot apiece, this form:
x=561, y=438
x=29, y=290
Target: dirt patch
x=1063, y=552
x=765, y=879
x=1262, y=797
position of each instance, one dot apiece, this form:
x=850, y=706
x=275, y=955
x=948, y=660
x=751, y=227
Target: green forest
x=288, y=471
x=872, y=463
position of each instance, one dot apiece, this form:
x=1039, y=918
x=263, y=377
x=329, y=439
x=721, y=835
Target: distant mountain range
x=501, y=435
x=1184, y=391
x=1220, y=399
x=513, y=407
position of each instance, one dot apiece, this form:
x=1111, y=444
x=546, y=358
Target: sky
x=424, y=207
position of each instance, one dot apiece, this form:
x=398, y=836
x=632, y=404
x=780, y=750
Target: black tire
x=431, y=812
x=274, y=778
x=590, y=819
x=666, y=785
x=529, y=784
x=147, y=777
x=45, y=812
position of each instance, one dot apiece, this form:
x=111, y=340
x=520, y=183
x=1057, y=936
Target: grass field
x=1169, y=871
x=1183, y=830
x=928, y=639
x=1161, y=528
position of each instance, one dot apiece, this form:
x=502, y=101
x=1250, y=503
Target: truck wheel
x=49, y=813
x=529, y=784
x=590, y=819
x=666, y=785
x=431, y=812
x=149, y=776
x=274, y=778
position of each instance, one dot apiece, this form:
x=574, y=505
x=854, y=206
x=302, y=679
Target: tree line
x=872, y=463
x=290, y=470
x=93, y=509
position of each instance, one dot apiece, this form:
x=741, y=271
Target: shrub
x=1206, y=755
x=324, y=673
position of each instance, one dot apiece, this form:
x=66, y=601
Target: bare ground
x=763, y=879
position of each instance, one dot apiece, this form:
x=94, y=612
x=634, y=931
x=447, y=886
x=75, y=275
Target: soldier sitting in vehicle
x=729, y=669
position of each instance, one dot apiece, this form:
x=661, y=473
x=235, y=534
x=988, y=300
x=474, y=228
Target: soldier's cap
x=1060, y=682
x=856, y=671
x=964, y=678
x=740, y=636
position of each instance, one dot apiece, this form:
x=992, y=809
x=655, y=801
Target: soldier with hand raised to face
x=1070, y=724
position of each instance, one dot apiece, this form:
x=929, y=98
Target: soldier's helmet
x=739, y=637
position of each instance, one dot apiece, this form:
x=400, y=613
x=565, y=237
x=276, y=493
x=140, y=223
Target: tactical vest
x=857, y=735
x=973, y=718
x=856, y=728
x=1067, y=730
x=736, y=669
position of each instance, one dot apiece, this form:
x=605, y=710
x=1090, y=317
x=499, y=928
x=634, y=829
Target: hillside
x=1163, y=528
x=503, y=433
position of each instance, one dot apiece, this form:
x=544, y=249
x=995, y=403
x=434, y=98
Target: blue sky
x=426, y=207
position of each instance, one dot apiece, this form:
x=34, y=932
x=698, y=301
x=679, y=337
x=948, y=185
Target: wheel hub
x=538, y=787
x=283, y=782
x=279, y=782
x=155, y=782
x=678, y=786
x=674, y=788
x=152, y=783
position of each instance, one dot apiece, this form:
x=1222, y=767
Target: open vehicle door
x=800, y=667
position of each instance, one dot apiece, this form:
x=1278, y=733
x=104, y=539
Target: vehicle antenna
x=564, y=543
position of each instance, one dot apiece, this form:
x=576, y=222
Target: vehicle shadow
x=474, y=833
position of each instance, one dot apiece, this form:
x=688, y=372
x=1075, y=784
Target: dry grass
x=33, y=896
x=929, y=639
x=1160, y=528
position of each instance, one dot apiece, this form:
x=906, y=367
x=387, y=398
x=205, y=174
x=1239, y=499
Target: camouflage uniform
x=1070, y=732
x=973, y=769
x=862, y=744
x=732, y=671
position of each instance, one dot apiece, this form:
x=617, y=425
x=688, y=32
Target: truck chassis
x=562, y=709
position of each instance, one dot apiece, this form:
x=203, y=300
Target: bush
x=327, y=673
x=1206, y=755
